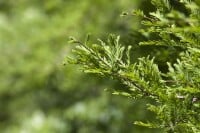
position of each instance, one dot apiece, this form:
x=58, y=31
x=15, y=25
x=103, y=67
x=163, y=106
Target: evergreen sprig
x=177, y=92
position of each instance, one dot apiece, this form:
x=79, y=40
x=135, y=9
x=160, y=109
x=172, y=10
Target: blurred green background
x=40, y=95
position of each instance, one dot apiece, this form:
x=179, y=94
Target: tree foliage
x=176, y=92
x=38, y=94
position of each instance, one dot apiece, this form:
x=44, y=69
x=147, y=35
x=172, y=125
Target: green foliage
x=38, y=94
x=175, y=94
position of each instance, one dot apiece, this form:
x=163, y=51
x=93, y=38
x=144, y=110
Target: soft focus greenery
x=38, y=94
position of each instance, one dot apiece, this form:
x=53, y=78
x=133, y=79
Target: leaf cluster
x=176, y=94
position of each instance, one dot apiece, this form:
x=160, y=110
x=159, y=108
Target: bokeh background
x=40, y=95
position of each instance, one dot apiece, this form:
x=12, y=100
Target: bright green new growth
x=177, y=92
